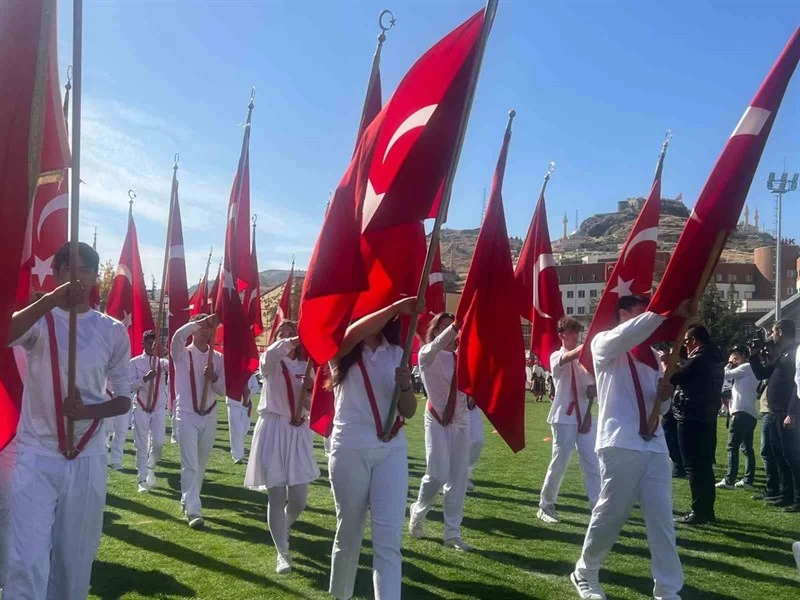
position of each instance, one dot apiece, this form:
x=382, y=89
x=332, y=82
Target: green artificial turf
x=148, y=551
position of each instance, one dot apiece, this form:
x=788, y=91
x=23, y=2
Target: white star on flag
x=623, y=287
x=42, y=268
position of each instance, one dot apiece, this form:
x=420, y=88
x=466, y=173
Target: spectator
x=697, y=403
x=743, y=419
x=780, y=370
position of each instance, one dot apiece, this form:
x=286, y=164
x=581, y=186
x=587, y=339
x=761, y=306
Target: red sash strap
x=574, y=405
x=287, y=377
x=644, y=429
x=155, y=392
x=450, y=407
x=58, y=396
x=398, y=423
x=195, y=405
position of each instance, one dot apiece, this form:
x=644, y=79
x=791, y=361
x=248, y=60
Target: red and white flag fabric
x=198, y=303
x=491, y=350
x=176, y=288
x=717, y=210
x=213, y=293
x=284, y=310
x=373, y=99
x=239, y=346
x=371, y=248
x=632, y=273
x=252, y=297
x=434, y=295
x=127, y=300
x=538, y=283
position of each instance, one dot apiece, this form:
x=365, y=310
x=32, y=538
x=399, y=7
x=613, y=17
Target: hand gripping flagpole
x=491, y=9
x=74, y=229
x=154, y=360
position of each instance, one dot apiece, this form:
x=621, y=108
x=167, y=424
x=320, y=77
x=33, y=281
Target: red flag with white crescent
x=252, y=297
x=199, y=301
x=434, y=295
x=176, y=288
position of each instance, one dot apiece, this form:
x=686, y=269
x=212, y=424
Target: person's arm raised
x=374, y=323
x=24, y=319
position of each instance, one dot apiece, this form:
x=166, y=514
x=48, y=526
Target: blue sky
x=595, y=85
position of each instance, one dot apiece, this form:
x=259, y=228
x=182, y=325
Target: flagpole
x=151, y=400
x=376, y=60
x=491, y=9
x=77, y=61
x=67, y=88
x=291, y=291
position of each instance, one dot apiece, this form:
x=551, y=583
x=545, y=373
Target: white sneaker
x=743, y=485
x=459, y=544
x=416, y=527
x=150, y=481
x=195, y=521
x=796, y=552
x=548, y=515
x=238, y=461
x=724, y=485
x=172, y=440
x=586, y=589
x=284, y=564
x=142, y=489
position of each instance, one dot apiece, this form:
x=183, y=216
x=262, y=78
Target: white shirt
x=180, y=360
x=252, y=391
x=274, y=394
x=562, y=378
x=141, y=366
x=743, y=392
x=618, y=421
x=104, y=352
x=437, y=368
x=353, y=423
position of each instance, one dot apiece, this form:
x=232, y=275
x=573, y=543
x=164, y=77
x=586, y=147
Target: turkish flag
x=717, y=210
x=491, y=351
x=176, y=288
x=538, y=282
x=213, y=293
x=252, y=297
x=353, y=273
x=127, y=300
x=420, y=135
x=322, y=403
x=434, y=295
x=632, y=273
x=284, y=310
x=240, y=352
x=373, y=99
x=198, y=303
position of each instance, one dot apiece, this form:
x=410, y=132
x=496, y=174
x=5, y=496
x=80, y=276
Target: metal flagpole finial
x=132, y=196
x=254, y=219
x=69, y=78
x=177, y=160
x=667, y=138
x=550, y=168
x=385, y=27
x=252, y=98
x=511, y=114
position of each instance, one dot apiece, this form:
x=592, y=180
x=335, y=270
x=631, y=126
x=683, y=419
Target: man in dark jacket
x=697, y=402
x=779, y=369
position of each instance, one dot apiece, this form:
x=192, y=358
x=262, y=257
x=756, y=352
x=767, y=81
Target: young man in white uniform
x=59, y=495
x=632, y=469
x=239, y=419
x=475, y=441
x=570, y=420
x=197, y=420
x=149, y=384
x=447, y=435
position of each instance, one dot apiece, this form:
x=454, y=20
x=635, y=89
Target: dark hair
x=86, y=253
x=569, y=324
x=786, y=327
x=299, y=352
x=434, y=325
x=340, y=368
x=740, y=349
x=629, y=302
x=699, y=333
x=150, y=334
x=197, y=317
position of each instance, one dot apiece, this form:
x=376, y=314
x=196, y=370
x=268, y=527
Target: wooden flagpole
x=74, y=229
x=151, y=390
x=491, y=9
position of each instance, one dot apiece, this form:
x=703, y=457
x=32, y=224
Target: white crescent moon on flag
x=645, y=235
x=545, y=261
x=125, y=272
x=435, y=278
x=176, y=252
x=58, y=203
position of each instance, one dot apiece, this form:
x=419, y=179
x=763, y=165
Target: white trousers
x=149, y=430
x=447, y=454
x=8, y=460
x=56, y=523
x=476, y=438
x=196, y=442
x=375, y=478
x=238, y=425
x=565, y=439
x=118, y=428
x=284, y=506
x=629, y=476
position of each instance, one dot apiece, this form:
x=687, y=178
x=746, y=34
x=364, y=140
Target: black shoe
x=794, y=508
x=782, y=503
x=678, y=474
x=767, y=496
x=694, y=519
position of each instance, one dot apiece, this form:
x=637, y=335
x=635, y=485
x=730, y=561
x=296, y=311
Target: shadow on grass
x=111, y=581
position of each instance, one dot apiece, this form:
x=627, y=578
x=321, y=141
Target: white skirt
x=280, y=454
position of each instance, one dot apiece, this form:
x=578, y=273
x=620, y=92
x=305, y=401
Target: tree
x=106, y=280
x=721, y=317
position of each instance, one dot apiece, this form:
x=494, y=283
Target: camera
x=758, y=343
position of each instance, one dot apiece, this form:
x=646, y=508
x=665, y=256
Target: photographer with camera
x=779, y=368
x=697, y=402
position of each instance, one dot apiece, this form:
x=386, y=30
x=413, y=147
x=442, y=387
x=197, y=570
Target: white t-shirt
x=103, y=352
x=274, y=394
x=184, y=407
x=743, y=393
x=436, y=365
x=618, y=420
x=354, y=424
x=141, y=366
x=562, y=377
